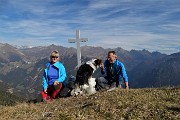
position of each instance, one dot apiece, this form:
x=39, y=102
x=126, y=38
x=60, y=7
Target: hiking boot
x=47, y=99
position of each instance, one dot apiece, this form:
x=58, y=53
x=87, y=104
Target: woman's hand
x=56, y=83
x=45, y=91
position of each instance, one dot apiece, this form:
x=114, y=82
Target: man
x=115, y=72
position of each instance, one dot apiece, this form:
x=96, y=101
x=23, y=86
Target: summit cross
x=78, y=40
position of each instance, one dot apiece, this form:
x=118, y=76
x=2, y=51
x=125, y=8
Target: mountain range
x=21, y=69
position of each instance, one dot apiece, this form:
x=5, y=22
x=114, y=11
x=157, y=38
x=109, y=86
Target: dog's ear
x=98, y=61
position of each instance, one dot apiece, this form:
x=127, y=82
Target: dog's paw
x=111, y=89
x=76, y=92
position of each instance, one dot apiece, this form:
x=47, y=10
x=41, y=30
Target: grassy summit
x=120, y=104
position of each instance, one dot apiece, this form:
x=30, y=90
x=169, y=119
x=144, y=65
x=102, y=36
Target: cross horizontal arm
x=83, y=39
x=76, y=40
x=72, y=40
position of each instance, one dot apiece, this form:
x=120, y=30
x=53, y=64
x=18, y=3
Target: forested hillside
x=22, y=69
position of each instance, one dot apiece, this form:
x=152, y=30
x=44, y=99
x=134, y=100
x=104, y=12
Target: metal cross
x=78, y=40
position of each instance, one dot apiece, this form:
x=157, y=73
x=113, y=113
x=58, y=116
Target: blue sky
x=130, y=24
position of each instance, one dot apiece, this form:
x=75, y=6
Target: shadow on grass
x=177, y=109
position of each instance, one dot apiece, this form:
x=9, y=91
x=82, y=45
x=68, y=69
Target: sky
x=153, y=25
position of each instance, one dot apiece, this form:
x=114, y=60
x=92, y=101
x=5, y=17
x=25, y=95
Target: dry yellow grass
x=120, y=104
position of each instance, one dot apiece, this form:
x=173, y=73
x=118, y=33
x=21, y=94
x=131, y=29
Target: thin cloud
x=130, y=24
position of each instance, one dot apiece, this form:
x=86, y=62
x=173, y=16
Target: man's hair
x=113, y=52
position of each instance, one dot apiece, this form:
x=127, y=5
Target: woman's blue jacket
x=62, y=74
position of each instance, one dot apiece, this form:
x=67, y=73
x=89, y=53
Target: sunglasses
x=54, y=56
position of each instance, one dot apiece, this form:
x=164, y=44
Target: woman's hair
x=54, y=53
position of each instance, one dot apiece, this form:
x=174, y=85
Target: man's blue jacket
x=115, y=71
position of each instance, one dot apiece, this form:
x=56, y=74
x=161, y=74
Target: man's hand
x=127, y=86
x=102, y=66
x=56, y=83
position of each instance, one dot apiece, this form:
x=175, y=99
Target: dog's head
x=98, y=62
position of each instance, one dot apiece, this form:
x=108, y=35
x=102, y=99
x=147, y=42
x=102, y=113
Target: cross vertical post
x=78, y=48
x=77, y=41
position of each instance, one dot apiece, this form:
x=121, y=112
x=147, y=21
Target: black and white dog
x=85, y=84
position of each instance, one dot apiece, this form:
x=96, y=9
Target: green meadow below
x=120, y=104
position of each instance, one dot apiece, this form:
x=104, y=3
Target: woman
x=53, y=77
